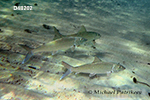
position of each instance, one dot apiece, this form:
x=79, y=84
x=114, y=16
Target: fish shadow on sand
x=92, y=77
x=102, y=54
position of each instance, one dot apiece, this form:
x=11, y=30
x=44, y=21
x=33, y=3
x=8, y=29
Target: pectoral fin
x=54, y=52
x=28, y=56
x=69, y=67
x=73, y=48
x=109, y=73
x=76, y=73
x=66, y=73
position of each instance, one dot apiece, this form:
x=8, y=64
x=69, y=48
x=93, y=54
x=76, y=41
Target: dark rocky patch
x=32, y=67
x=48, y=71
x=27, y=30
x=133, y=72
x=147, y=43
x=35, y=4
x=57, y=73
x=118, y=4
x=134, y=80
x=12, y=14
x=17, y=4
x=45, y=59
x=1, y=31
x=93, y=47
x=46, y=26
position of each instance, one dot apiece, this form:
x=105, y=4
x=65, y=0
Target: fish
x=90, y=36
x=96, y=67
x=53, y=46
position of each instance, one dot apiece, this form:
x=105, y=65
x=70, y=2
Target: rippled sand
x=123, y=25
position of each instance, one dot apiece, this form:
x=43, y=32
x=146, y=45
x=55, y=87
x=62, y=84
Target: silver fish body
x=97, y=67
x=90, y=36
x=59, y=44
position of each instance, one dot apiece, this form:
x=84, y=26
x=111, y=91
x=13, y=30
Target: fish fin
x=66, y=73
x=28, y=56
x=83, y=29
x=69, y=67
x=54, y=52
x=79, y=41
x=57, y=34
x=76, y=73
x=96, y=59
x=92, y=74
x=109, y=73
x=112, y=69
x=73, y=48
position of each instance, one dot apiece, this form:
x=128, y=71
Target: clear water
x=124, y=26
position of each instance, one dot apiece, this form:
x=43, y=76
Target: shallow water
x=125, y=39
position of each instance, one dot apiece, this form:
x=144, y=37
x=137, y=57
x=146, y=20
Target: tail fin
x=29, y=54
x=57, y=34
x=69, y=67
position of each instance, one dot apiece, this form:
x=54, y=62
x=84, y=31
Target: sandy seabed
x=125, y=38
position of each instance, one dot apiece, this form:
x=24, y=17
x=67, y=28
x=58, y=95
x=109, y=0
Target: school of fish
x=64, y=42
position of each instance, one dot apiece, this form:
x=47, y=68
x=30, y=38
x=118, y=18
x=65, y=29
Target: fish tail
x=57, y=34
x=29, y=54
x=69, y=67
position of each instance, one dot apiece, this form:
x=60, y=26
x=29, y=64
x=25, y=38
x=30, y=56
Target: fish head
x=118, y=67
x=91, y=35
x=97, y=35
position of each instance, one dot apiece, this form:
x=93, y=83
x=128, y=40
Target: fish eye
x=99, y=35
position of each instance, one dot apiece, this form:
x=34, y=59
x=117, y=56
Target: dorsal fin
x=96, y=59
x=57, y=34
x=83, y=29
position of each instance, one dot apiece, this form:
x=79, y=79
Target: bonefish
x=90, y=36
x=96, y=67
x=59, y=44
